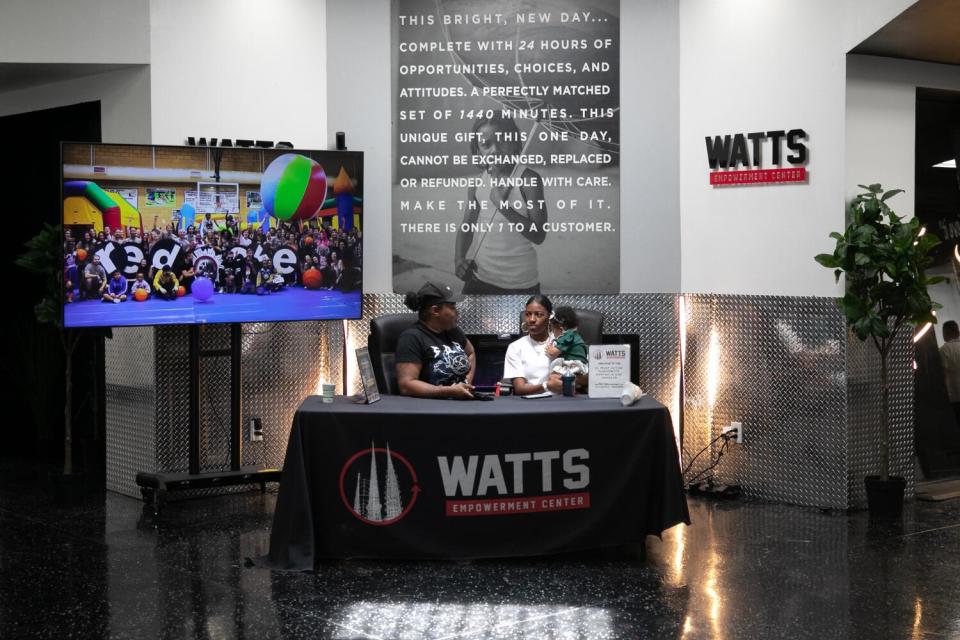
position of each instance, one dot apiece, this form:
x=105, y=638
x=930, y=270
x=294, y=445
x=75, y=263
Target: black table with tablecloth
x=415, y=478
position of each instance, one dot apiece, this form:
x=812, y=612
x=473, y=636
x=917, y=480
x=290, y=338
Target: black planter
x=885, y=497
x=68, y=489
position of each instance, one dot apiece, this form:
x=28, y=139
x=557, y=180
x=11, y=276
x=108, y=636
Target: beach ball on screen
x=81, y=255
x=181, y=291
x=202, y=289
x=140, y=295
x=293, y=187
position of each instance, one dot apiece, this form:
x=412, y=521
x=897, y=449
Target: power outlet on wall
x=735, y=429
x=255, y=428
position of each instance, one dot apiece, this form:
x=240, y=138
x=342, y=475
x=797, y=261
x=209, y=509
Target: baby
x=568, y=350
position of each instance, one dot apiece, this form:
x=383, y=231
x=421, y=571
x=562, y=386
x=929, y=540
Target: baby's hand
x=552, y=351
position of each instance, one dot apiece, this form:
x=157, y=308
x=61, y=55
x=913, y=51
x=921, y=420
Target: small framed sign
x=370, y=391
x=609, y=369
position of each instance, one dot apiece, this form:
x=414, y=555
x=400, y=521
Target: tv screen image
x=186, y=235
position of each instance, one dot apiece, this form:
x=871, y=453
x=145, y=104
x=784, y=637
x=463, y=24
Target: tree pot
x=69, y=488
x=885, y=497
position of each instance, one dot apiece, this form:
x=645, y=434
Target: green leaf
x=890, y=194
x=827, y=260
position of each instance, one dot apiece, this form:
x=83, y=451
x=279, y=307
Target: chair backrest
x=589, y=324
x=382, y=344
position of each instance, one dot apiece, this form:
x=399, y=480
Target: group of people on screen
x=238, y=260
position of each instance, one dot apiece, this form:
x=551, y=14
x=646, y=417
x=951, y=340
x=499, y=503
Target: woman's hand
x=554, y=383
x=460, y=391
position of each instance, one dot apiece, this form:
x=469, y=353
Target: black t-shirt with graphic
x=441, y=356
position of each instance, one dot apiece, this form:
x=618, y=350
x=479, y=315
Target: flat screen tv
x=185, y=235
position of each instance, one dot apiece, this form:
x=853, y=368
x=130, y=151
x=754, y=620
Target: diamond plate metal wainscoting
x=282, y=364
x=285, y=362
x=863, y=417
x=130, y=407
x=777, y=365
x=147, y=386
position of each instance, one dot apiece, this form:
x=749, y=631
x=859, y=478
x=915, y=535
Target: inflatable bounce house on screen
x=85, y=204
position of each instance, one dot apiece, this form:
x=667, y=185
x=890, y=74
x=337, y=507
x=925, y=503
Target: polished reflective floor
x=746, y=570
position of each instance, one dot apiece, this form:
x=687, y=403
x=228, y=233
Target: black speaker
x=341, y=141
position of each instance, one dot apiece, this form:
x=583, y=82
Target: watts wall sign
x=739, y=159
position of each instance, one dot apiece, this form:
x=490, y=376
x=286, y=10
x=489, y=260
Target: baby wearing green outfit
x=568, y=350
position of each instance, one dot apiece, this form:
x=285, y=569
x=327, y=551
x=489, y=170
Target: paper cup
x=327, y=393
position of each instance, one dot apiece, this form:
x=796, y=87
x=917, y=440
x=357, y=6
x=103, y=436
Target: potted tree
x=43, y=257
x=883, y=258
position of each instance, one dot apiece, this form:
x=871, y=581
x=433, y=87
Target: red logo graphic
x=361, y=478
x=759, y=176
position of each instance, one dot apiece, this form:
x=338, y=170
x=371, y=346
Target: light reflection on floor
x=742, y=570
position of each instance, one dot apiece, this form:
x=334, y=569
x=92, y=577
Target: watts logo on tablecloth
x=725, y=154
x=360, y=479
x=379, y=486
x=478, y=485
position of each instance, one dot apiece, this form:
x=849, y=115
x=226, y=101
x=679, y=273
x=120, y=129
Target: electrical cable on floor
x=710, y=444
x=726, y=441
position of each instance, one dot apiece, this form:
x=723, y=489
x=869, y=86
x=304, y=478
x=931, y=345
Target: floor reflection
x=748, y=570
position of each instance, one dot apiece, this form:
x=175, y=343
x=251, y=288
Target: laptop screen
x=491, y=350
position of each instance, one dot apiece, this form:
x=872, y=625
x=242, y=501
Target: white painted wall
x=358, y=103
x=81, y=31
x=881, y=107
x=245, y=68
x=650, y=247
x=760, y=65
x=239, y=69
x=880, y=138
x=863, y=18
x=124, y=97
x=650, y=230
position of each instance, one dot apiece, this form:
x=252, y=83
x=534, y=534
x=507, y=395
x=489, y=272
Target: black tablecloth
x=456, y=479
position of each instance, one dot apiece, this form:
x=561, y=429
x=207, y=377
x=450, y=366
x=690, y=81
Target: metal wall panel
x=130, y=429
x=779, y=365
x=173, y=398
x=863, y=417
x=282, y=364
x=776, y=365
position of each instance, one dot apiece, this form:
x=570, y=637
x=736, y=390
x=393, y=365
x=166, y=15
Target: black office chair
x=382, y=344
x=590, y=325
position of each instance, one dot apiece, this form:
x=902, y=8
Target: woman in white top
x=505, y=260
x=527, y=364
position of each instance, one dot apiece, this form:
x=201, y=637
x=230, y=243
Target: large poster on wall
x=506, y=145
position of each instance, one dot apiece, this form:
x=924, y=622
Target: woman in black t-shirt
x=434, y=358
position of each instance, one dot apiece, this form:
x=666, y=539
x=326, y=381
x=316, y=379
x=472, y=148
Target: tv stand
x=155, y=486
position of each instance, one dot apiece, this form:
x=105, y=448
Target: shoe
x=116, y=300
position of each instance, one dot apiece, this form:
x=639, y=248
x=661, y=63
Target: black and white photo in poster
x=506, y=145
